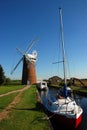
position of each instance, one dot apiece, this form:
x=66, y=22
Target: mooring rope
x=48, y=117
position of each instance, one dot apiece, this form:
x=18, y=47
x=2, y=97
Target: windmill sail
x=16, y=65
x=31, y=45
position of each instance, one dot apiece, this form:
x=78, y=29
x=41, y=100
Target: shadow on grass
x=39, y=118
x=39, y=107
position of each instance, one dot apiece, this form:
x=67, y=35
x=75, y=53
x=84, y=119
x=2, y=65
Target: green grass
x=27, y=115
x=4, y=101
x=80, y=89
x=5, y=89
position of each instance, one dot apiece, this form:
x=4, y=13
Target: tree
x=2, y=76
x=7, y=81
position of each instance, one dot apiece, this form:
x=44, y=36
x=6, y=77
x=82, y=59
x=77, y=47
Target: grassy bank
x=80, y=90
x=26, y=115
x=5, y=89
x=76, y=89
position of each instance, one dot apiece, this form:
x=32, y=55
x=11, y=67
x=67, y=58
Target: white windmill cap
x=34, y=53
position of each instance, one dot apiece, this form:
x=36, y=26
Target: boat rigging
x=62, y=106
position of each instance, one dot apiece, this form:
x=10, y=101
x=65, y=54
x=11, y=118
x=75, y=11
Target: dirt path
x=15, y=91
x=5, y=113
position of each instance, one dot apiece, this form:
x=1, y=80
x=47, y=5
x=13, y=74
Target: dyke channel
x=55, y=124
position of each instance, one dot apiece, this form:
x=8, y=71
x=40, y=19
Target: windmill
x=29, y=60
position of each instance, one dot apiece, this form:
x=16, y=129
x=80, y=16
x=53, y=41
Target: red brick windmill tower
x=29, y=60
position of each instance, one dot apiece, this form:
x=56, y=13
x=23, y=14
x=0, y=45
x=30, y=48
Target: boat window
x=43, y=83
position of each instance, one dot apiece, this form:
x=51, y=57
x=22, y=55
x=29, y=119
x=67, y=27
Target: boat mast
x=63, y=50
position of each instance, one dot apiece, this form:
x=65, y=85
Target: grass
x=5, y=89
x=27, y=115
x=4, y=101
x=80, y=90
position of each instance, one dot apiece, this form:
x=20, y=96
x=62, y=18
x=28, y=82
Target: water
x=83, y=103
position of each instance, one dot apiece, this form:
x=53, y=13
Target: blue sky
x=23, y=20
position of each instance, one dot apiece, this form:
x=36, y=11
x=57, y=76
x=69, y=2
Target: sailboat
x=62, y=106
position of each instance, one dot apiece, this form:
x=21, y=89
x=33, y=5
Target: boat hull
x=67, y=121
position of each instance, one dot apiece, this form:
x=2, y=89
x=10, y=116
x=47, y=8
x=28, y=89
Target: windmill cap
x=32, y=56
x=34, y=53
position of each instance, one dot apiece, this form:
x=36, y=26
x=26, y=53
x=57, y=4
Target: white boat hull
x=68, y=114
